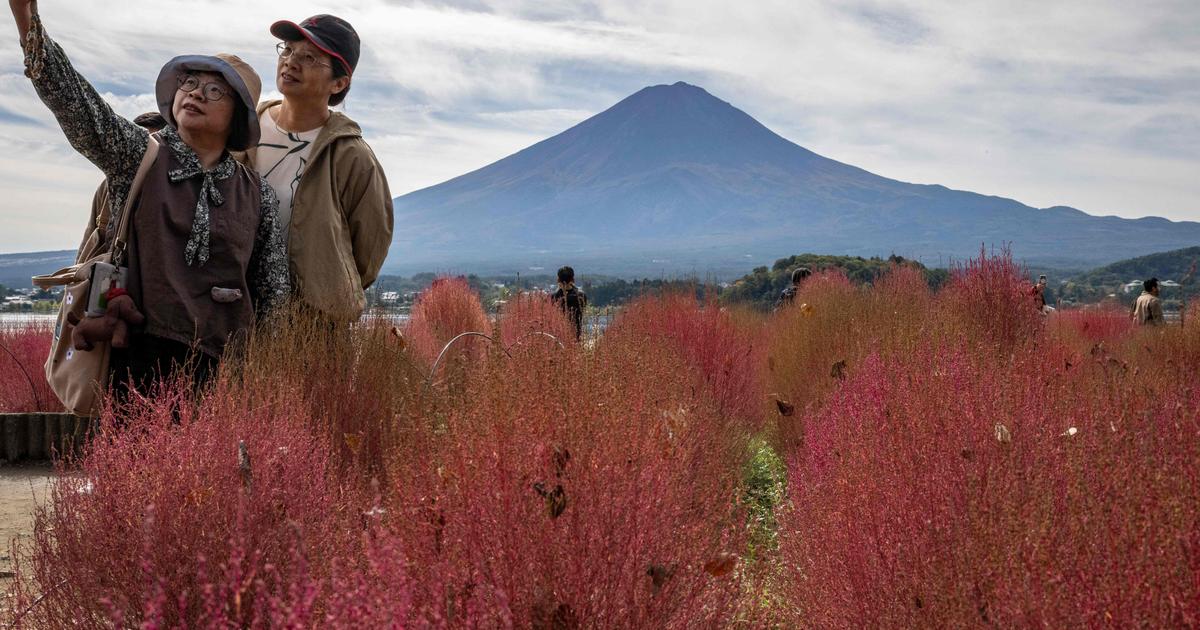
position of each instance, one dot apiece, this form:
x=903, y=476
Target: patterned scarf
x=189, y=167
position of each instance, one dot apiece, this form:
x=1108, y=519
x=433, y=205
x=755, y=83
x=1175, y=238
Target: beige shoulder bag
x=80, y=378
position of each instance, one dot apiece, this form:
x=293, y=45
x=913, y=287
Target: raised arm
x=112, y=143
x=22, y=11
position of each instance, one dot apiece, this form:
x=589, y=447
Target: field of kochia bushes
x=870, y=457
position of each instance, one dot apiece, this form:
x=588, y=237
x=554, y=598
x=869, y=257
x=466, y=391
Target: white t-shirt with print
x=282, y=156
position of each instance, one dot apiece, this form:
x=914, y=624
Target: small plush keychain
x=112, y=326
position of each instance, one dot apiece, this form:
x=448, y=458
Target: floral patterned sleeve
x=269, y=281
x=109, y=141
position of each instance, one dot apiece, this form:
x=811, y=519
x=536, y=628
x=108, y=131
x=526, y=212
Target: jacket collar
x=337, y=127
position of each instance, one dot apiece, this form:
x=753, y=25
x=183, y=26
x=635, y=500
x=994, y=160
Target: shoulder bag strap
x=121, y=239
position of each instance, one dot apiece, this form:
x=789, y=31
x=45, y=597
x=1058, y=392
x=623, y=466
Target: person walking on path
x=204, y=254
x=570, y=299
x=334, y=204
x=1147, y=309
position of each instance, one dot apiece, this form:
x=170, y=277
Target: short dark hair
x=799, y=274
x=339, y=71
x=566, y=274
x=239, y=126
x=1150, y=284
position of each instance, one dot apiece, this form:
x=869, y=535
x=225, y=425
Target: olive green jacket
x=341, y=220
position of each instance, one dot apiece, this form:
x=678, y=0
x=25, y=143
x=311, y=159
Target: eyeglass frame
x=183, y=78
x=282, y=46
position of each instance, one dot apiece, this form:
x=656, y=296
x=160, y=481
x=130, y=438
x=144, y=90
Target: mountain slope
x=672, y=169
x=17, y=269
x=1173, y=265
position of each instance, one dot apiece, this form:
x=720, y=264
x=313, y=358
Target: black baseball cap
x=333, y=35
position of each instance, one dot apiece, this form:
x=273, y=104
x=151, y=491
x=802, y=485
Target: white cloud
x=1079, y=102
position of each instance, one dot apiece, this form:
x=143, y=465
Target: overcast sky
x=1088, y=103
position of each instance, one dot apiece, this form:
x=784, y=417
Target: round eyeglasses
x=305, y=59
x=211, y=91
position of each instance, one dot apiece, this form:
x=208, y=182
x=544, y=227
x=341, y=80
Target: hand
x=23, y=11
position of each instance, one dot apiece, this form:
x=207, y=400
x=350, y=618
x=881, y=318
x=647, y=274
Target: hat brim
x=166, y=86
x=289, y=31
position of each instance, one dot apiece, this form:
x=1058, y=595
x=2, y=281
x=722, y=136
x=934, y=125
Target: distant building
x=1136, y=285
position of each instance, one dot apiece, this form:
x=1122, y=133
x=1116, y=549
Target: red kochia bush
x=1093, y=325
x=949, y=489
x=590, y=490
x=446, y=309
x=161, y=522
x=23, y=386
x=727, y=358
x=527, y=315
x=987, y=299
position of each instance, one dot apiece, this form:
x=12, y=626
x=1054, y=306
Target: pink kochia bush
x=446, y=309
x=948, y=489
x=578, y=490
x=23, y=386
x=528, y=317
x=165, y=522
x=988, y=300
x=1092, y=325
x=726, y=357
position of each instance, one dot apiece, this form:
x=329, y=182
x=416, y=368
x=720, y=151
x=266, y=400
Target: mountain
x=17, y=269
x=675, y=178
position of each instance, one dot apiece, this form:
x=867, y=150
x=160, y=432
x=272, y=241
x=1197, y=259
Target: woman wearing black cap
x=334, y=204
x=204, y=252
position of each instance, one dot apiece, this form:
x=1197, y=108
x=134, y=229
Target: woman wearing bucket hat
x=334, y=204
x=204, y=250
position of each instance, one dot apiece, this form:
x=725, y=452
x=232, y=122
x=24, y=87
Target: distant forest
x=1177, y=266
x=761, y=287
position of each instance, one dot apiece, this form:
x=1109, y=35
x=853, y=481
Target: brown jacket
x=1147, y=310
x=341, y=220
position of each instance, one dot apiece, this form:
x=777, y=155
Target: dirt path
x=20, y=488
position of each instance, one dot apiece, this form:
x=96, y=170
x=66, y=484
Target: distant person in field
x=90, y=245
x=335, y=209
x=1038, y=293
x=1147, y=310
x=788, y=296
x=570, y=299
